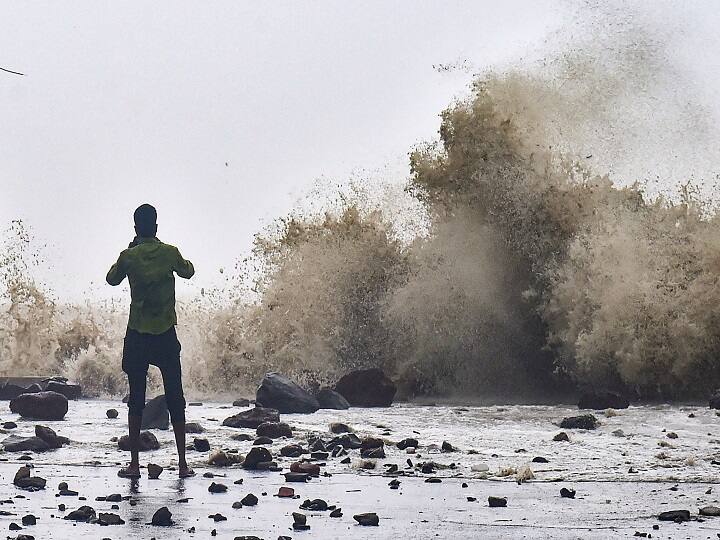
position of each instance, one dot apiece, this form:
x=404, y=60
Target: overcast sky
x=221, y=114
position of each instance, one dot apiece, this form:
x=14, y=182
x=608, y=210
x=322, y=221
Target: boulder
x=602, y=399
x=14, y=443
x=366, y=388
x=11, y=391
x=329, y=399
x=257, y=455
x=50, y=437
x=279, y=392
x=274, y=430
x=148, y=441
x=585, y=421
x=162, y=518
x=70, y=391
x=252, y=418
x=84, y=513
x=155, y=414
x=40, y=405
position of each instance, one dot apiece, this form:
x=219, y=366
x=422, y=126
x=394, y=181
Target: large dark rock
x=279, y=392
x=330, y=399
x=70, y=391
x=148, y=441
x=40, y=405
x=367, y=388
x=257, y=455
x=603, y=399
x=252, y=418
x=155, y=414
x=14, y=443
x=50, y=437
x=585, y=421
x=10, y=391
x=274, y=430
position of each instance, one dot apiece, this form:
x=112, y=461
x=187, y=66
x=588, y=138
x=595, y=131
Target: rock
x=241, y=437
x=618, y=433
x=714, y=400
x=562, y=436
x=274, y=430
x=249, y=500
x=14, y=443
x=312, y=469
x=602, y=399
x=366, y=388
x=710, y=511
x=162, y=517
x=11, y=391
x=252, y=418
x=339, y=427
x=584, y=421
x=9, y=425
x=256, y=455
x=286, y=492
x=296, y=477
x=70, y=391
x=433, y=480
x=49, y=436
x=373, y=453
x=28, y=520
x=155, y=414
x=194, y=427
x=330, y=399
x=40, y=405
x=154, y=471
x=497, y=502
x=217, y=517
x=371, y=442
x=408, y=443
x=108, y=518
x=300, y=522
x=447, y=447
x=292, y=450
x=539, y=459
x=241, y=402
x=672, y=435
x=201, y=445
x=279, y=392
x=84, y=513
x=148, y=441
x=217, y=488
x=111, y=413
x=114, y=497
x=320, y=456
x=315, y=505
x=675, y=515
x=349, y=441
x=336, y=513
x=567, y=493
x=23, y=480
x=368, y=519
x=220, y=458
x=262, y=441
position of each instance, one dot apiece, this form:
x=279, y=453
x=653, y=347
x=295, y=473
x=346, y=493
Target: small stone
x=315, y=505
x=497, y=502
x=368, y=519
x=162, y=517
x=84, y=513
x=108, y=518
x=217, y=488
x=339, y=427
x=285, y=492
x=675, y=515
x=710, y=511
x=562, y=436
x=584, y=421
x=296, y=477
x=567, y=493
x=154, y=471
x=201, y=445
x=407, y=443
x=672, y=435
x=9, y=425
x=114, y=497
x=260, y=441
x=447, y=447
x=194, y=427
x=217, y=517
x=539, y=459
x=336, y=513
x=433, y=480
x=111, y=413
x=29, y=520
x=249, y=500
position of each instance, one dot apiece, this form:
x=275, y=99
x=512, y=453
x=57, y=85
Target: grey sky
x=130, y=102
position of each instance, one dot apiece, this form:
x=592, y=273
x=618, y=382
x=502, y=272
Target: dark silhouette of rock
x=154, y=471
x=497, y=502
x=369, y=519
x=193, y=427
x=312, y=469
x=70, y=391
x=84, y=513
x=108, y=518
x=274, y=430
x=279, y=392
x=201, y=445
x=602, y=399
x=50, y=437
x=111, y=413
x=155, y=414
x=14, y=443
x=349, y=441
x=242, y=402
x=292, y=450
x=11, y=391
x=217, y=488
x=255, y=456
x=408, y=443
x=584, y=421
x=162, y=517
x=24, y=480
x=40, y=405
x=262, y=441
x=562, y=436
x=252, y=418
x=567, y=493
x=249, y=500
x=366, y=388
x=339, y=428
x=296, y=477
x=148, y=441
x=675, y=515
x=29, y=519
x=329, y=399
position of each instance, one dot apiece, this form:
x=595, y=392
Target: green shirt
x=149, y=267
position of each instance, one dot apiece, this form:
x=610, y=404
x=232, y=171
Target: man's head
x=145, y=217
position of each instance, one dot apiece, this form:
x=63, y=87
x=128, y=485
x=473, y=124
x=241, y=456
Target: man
x=150, y=266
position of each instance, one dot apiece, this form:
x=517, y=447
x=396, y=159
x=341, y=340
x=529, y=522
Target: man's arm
x=183, y=267
x=117, y=272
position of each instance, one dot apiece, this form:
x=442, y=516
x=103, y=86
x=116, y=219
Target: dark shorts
x=140, y=351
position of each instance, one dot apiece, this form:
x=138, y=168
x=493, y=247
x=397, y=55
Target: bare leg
x=179, y=429
x=133, y=469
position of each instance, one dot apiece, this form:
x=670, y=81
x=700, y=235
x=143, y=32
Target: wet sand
x=611, y=502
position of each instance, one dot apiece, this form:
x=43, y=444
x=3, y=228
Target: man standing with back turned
x=151, y=339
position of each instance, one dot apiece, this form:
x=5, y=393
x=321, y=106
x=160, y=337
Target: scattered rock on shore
x=40, y=405
x=256, y=456
x=154, y=471
x=274, y=430
x=279, y=392
x=330, y=399
x=252, y=418
x=162, y=517
x=675, y=515
x=584, y=421
x=155, y=414
x=148, y=441
x=111, y=413
x=368, y=519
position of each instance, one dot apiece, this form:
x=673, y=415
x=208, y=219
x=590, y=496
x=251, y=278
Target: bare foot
x=131, y=471
x=185, y=472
